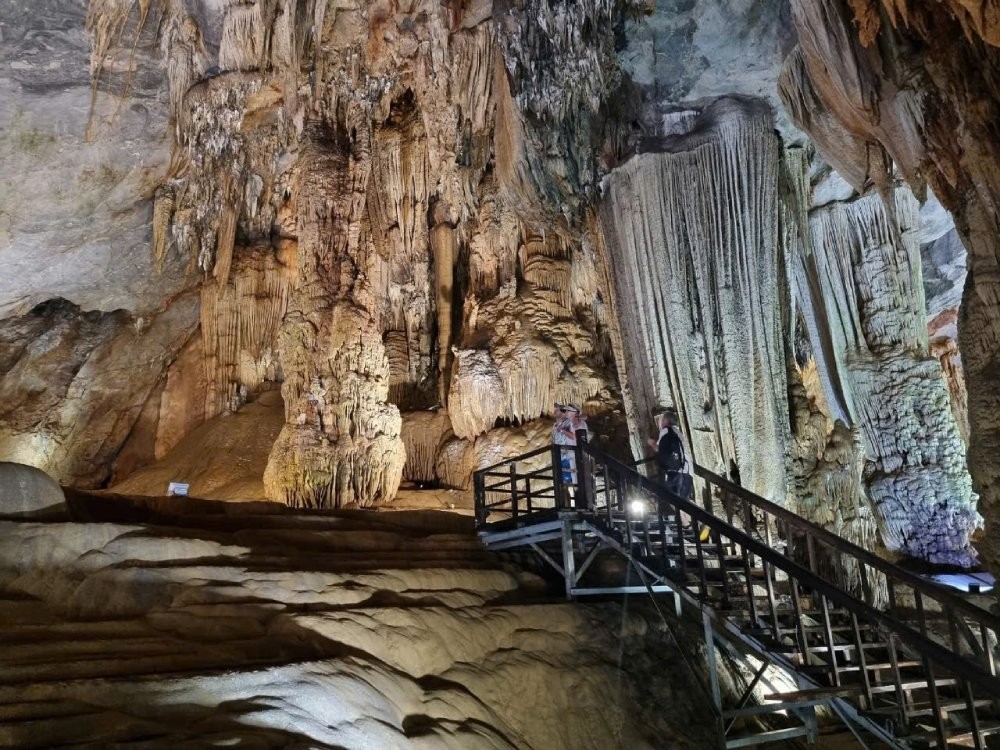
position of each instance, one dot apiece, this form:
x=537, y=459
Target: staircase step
x=856, y=668
x=911, y=685
x=926, y=709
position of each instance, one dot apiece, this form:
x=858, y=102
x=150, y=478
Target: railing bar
x=522, y=457
x=988, y=649
x=828, y=632
x=771, y=601
x=918, y=600
x=557, y=477
x=513, y=488
x=810, y=550
x=866, y=585
x=696, y=529
x=681, y=553
x=935, y=702
x=854, y=550
x=970, y=703
x=897, y=679
x=800, y=630
x=956, y=644
x=751, y=601
x=723, y=571
x=862, y=660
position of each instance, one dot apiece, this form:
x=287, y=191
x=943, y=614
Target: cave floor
x=173, y=622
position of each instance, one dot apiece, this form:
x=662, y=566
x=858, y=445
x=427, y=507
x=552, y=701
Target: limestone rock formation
x=27, y=492
x=871, y=342
x=921, y=101
x=426, y=222
x=692, y=231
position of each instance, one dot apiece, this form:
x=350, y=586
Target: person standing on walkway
x=671, y=459
x=568, y=419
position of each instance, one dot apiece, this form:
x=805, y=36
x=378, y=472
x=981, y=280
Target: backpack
x=670, y=452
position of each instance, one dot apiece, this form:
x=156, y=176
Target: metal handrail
x=935, y=591
x=955, y=663
x=954, y=670
x=515, y=459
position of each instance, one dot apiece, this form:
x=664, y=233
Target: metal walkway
x=899, y=659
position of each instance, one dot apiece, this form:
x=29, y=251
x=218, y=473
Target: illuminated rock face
x=375, y=199
x=879, y=87
x=410, y=218
x=703, y=249
x=872, y=350
x=694, y=248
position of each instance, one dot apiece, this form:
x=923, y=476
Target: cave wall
x=860, y=284
x=718, y=254
x=398, y=214
x=884, y=88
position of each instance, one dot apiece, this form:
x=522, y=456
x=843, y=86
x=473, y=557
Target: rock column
x=341, y=441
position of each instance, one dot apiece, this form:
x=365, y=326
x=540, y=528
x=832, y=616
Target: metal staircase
x=899, y=659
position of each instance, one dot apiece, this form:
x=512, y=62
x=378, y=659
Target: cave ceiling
x=426, y=221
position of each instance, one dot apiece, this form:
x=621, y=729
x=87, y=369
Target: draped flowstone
x=702, y=294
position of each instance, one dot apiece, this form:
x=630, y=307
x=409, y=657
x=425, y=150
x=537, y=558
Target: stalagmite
x=473, y=402
x=692, y=232
x=455, y=463
x=444, y=251
x=423, y=434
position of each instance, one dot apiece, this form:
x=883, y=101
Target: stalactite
x=240, y=320
x=187, y=59
x=692, y=232
x=545, y=265
x=225, y=238
x=242, y=42
x=163, y=209
x=105, y=24
x=423, y=434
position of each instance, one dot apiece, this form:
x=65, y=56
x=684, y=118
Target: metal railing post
x=557, y=477
x=480, y=492
x=513, y=490
x=583, y=483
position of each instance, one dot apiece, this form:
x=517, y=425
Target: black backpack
x=670, y=452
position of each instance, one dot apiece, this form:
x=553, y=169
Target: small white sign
x=177, y=488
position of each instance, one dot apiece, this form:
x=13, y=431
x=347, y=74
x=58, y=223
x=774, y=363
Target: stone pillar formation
x=341, y=441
